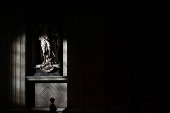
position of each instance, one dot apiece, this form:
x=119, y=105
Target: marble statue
x=49, y=42
x=46, y=49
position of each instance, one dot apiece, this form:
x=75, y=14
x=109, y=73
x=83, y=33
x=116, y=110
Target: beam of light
x=17, y=67
x=18, y=70
x=64, y=57
x=23, y=66
x=65, y=64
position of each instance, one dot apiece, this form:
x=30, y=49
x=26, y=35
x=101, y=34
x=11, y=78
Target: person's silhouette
x=52, y=106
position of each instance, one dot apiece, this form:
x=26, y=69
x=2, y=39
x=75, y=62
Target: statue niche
x=49, y=42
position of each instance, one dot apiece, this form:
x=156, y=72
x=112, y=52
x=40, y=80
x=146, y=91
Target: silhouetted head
x=52, y=100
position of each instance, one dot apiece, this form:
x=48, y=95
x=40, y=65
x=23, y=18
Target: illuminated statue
x=50, y=42
x=45, y=46
x=46, y=49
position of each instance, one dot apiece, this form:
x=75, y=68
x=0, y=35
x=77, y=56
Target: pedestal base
x=54, y=72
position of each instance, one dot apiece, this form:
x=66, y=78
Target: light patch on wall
x=17, y=67
x=23, y=66
x=18, y=70
x=64, y=57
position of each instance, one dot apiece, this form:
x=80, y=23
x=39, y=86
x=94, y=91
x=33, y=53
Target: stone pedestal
x=54, y=72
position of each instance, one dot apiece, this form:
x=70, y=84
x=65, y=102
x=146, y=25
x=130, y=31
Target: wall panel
x=85, y=57
x=45, y=91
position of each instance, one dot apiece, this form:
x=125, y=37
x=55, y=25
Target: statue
x=52, y=106
x=49, y=42
x=45, y=46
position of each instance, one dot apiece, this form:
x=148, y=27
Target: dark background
x=120, y=47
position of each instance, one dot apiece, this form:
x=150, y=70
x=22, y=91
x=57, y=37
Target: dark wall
x=96, y=66
x=120, y=49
